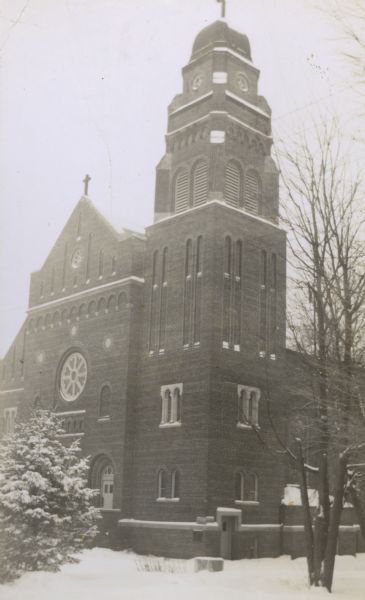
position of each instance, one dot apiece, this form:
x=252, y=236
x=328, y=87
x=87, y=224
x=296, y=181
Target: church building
x=160, y=351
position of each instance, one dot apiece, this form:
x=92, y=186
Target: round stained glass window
x=73, y=376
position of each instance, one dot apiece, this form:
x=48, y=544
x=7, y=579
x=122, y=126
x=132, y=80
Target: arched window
x=105, y=401
x=248, y=406
x=112, y=302
x=122, y=300
x=252, y=192
x=181, y=191
x=233, y=184
x=92, y=308
x=48, y=319
x=166, y=407
x=251, y=492
x=101, y=305
x=176, y=406
x=171, y=399
x=175, y=484
x=200, y=183
x=162, y=491
x=82, y=311
x=37, y=403
x=73, y=313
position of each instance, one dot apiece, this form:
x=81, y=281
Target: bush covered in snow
x=46, y=511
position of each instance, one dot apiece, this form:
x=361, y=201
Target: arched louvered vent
x=232, y=184
x=200, y=183
x=252, y=192
x=181, y=191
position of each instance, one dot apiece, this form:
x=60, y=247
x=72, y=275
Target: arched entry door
x=107, y=487
x=102, y=479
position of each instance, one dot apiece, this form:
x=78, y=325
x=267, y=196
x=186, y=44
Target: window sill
x=247, y=502
x=246, y=426
x=103, y=419
x=167, y=425
x=167, y=499
x=76, y=434
x=190, y=347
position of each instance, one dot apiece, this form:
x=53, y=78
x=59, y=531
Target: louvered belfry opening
x=200, y=183
x=181, y=191
x=252, y=192
x=232, y=184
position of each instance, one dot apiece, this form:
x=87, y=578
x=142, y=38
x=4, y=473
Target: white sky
x=84, y=88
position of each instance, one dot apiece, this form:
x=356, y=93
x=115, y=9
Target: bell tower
x=218, y=139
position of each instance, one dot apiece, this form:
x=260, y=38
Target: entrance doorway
x=227, y=529
x=107, y=487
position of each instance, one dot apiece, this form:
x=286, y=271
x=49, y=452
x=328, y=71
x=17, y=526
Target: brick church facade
x=158, y=350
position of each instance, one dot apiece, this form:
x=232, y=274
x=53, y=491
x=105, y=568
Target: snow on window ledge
x=246, y=426
x=102, y=419
x=167, y=499
x=172, y=424
x=247, y=502
x=75, y=434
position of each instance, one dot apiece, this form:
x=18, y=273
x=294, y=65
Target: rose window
x=73, y=376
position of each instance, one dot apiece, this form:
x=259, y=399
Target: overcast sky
x=84, y=88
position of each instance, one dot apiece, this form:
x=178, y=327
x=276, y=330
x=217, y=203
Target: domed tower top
x=219, y=34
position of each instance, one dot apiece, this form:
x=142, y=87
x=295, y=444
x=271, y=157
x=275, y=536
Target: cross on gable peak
x=85, y=181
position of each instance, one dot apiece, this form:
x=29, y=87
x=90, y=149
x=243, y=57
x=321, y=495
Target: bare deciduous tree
x=324, y=216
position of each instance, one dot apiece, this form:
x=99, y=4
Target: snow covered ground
x=107, y=575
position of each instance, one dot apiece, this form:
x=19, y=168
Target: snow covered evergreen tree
x=46, y=511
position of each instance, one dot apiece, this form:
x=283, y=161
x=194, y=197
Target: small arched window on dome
x=200, y=183
x=252, y=201
x=181, y=191
x=105, y=401
x=233, y=184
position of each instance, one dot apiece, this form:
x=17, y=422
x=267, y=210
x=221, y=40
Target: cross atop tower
x=223, y=8
x=86, y=184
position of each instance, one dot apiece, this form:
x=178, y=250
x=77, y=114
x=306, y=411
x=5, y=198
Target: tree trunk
x=321, y=522
x=308, y=530
x=330, y=555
